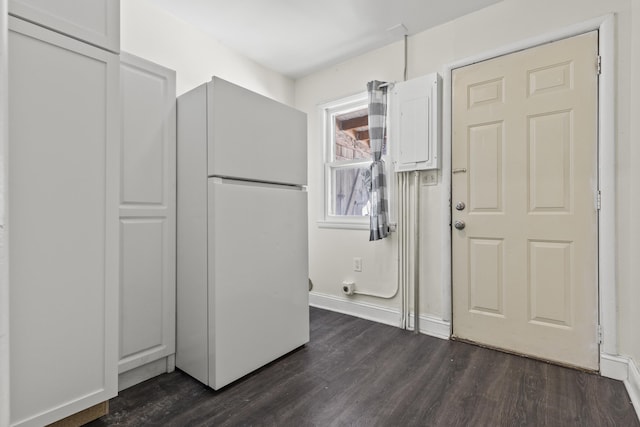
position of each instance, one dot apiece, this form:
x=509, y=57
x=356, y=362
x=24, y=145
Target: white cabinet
x=94, y=21
x=63, y=217
x=147, y=220
x=415, y=118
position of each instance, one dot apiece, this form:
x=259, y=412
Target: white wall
x=498, y=26
x=629, y=202
x=4, y=276
x=331, y=251
x=149, y=32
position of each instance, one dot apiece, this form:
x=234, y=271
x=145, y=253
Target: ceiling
x=298, y=37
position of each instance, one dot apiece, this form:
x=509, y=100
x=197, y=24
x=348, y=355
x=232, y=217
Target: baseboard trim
x=428, y=325
x=83, y=417
x=432, y=326
x=633, y=386
x=144, y=357
x=623, y=369
x=364, y=310
x=614, y=367
x=145, y=372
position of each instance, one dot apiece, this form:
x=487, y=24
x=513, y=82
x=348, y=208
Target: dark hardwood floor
x=360, y=373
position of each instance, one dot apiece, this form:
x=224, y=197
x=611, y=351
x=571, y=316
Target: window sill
x=350, y=225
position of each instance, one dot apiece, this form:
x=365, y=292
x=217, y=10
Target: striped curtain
x=378, y=228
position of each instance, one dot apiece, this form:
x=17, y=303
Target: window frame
x=327, y=113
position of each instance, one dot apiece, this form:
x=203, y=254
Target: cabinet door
x=147, y=213
x=94, y=21
x=63, y=210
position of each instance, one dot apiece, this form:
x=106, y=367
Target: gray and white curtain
x=378, y=228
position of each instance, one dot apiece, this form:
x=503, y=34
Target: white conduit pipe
x=404, y=249
x=373, y=294
x=397, y=288
x=407, y=245
x=402, y=252
x=416, y=255
x=404, y=242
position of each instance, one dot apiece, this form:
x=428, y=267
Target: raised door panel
x=550, y=149
x=148, y=149
x=147, y=213
x=485, y=168
x=94, y=21
x=141, y=287
x=486, y=276
x=63, y=209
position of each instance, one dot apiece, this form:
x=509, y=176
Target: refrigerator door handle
x=252, y=183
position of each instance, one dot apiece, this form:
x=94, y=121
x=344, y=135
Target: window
x=347, y=157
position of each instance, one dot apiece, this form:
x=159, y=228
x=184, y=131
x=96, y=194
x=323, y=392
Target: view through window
x=351, y=157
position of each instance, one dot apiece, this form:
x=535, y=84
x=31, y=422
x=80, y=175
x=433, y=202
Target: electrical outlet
x=357, y=264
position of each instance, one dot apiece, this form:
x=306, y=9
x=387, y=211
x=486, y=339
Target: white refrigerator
x=242, y=264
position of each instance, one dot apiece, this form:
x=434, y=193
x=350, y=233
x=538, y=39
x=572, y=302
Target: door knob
x=459, y=224
x=460, y=206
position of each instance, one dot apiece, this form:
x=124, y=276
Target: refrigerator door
x=254, y=137
x=258, y=276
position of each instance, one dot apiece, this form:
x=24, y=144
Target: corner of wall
x=632, y=383
x=626, y=370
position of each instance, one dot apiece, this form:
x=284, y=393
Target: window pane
x=352, y=135
x=351, y=194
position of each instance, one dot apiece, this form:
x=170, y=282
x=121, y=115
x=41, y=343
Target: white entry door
x=524, y=196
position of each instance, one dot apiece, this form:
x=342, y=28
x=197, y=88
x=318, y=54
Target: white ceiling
x=297, y=37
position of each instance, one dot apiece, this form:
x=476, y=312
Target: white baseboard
x=364, y=310
x=633, y=386
x=428, y=325
x=614, y=367
x=432, y=326
x=145, y=372
x=623, y=369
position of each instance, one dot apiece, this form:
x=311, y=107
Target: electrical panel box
x=415, y=123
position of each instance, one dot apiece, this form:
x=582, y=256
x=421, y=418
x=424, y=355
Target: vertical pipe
x=400, y=250
x=406, y=232
x=416, y=255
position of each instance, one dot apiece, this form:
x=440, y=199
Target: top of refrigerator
x=252, y=137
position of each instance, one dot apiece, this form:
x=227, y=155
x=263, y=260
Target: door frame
x=610, y=363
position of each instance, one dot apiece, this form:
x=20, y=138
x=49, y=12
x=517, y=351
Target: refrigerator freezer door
x=254, y=137
x=258, y=276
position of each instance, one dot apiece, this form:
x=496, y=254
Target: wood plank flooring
x=359, y=373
